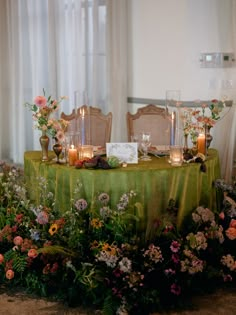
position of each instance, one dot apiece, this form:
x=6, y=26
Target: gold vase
x=44, y=142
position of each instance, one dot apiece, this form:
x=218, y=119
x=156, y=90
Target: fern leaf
x=56, y=249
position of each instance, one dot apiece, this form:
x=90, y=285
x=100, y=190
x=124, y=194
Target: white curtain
x=224, y=139
x=62, y=46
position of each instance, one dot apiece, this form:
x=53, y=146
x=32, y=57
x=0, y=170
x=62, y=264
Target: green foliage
x=56, y=249
x=19, y=261
x=105, y=257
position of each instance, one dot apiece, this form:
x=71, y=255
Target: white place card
x=126, y=152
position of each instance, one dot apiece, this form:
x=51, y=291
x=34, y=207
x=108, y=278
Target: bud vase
x=44, y=142
x=57, y=148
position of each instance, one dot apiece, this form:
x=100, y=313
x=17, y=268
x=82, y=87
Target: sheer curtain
x=224, y=133
x=64, y=47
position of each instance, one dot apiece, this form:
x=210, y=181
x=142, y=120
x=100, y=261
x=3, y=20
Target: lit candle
x=176, y=155
x=72, y=155
x=201, y=143
x=172, y=128
x=85, y=151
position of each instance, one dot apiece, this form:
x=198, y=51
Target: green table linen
x=155, y=182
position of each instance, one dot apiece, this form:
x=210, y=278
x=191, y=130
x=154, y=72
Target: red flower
x=32, y=253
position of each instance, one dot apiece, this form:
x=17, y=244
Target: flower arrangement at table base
x=95, y=255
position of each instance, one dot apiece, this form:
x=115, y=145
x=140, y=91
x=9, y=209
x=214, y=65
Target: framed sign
x=126, y=152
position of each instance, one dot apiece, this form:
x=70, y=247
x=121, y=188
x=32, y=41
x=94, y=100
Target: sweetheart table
x=155, y=182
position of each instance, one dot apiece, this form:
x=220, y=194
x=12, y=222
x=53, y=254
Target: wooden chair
x=153, y=119
x=100, y=124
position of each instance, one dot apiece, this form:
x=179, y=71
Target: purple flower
x=42, y=217
x=175, y=258
x=175, y=289
x=104, y=198
x=175, y=246
x=81, y=204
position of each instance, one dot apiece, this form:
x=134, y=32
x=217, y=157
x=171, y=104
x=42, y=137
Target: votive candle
x=85, y=151
x=72, y=155
x=201, y=143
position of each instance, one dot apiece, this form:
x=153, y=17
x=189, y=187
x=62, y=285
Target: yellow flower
x=53, y=229
x=96, y=223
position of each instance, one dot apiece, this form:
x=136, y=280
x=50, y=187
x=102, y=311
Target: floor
x=223, y=302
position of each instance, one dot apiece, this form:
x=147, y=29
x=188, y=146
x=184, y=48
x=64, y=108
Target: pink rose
x=231, y=233
x=222, y=215
x=40, y=101
x=1, y=258
x=18, y=240
x=32, y=253
x=10, y=274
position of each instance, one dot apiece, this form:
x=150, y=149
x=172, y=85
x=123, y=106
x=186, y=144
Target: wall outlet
x=227, y=84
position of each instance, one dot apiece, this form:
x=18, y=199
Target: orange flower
x=32, y=253
x=231, y=233
x=232, y=223
x=96, y=223
x=10, y=274
x=1, y=258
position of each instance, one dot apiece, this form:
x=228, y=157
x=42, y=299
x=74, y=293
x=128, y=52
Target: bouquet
x=42, y=108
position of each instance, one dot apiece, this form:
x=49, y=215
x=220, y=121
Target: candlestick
x=72, y=155
x=82, y=126
x=201, y=143
x=172, y=128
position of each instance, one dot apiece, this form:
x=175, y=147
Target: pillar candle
x=72, y=155
x=201, y=143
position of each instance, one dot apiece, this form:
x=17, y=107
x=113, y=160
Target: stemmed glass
x=145, y=142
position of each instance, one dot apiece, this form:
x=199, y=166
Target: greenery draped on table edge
x=97, y=256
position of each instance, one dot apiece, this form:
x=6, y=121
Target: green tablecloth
x=155, y=182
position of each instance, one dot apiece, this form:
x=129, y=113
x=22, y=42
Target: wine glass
x=145, y=142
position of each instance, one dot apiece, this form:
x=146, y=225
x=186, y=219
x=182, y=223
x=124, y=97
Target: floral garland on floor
x=95, y=255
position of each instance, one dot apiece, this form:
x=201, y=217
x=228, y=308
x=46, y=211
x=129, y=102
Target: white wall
x=166, y=38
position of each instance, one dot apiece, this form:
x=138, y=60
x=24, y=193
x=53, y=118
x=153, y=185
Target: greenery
x=96, y=256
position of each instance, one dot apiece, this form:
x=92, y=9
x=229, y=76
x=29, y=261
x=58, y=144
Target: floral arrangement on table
x=42, y=108
x=99, y=256
x=195, y=121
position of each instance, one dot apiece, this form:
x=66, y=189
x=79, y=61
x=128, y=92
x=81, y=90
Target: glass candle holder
x=176, y=155
x=85, y=152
